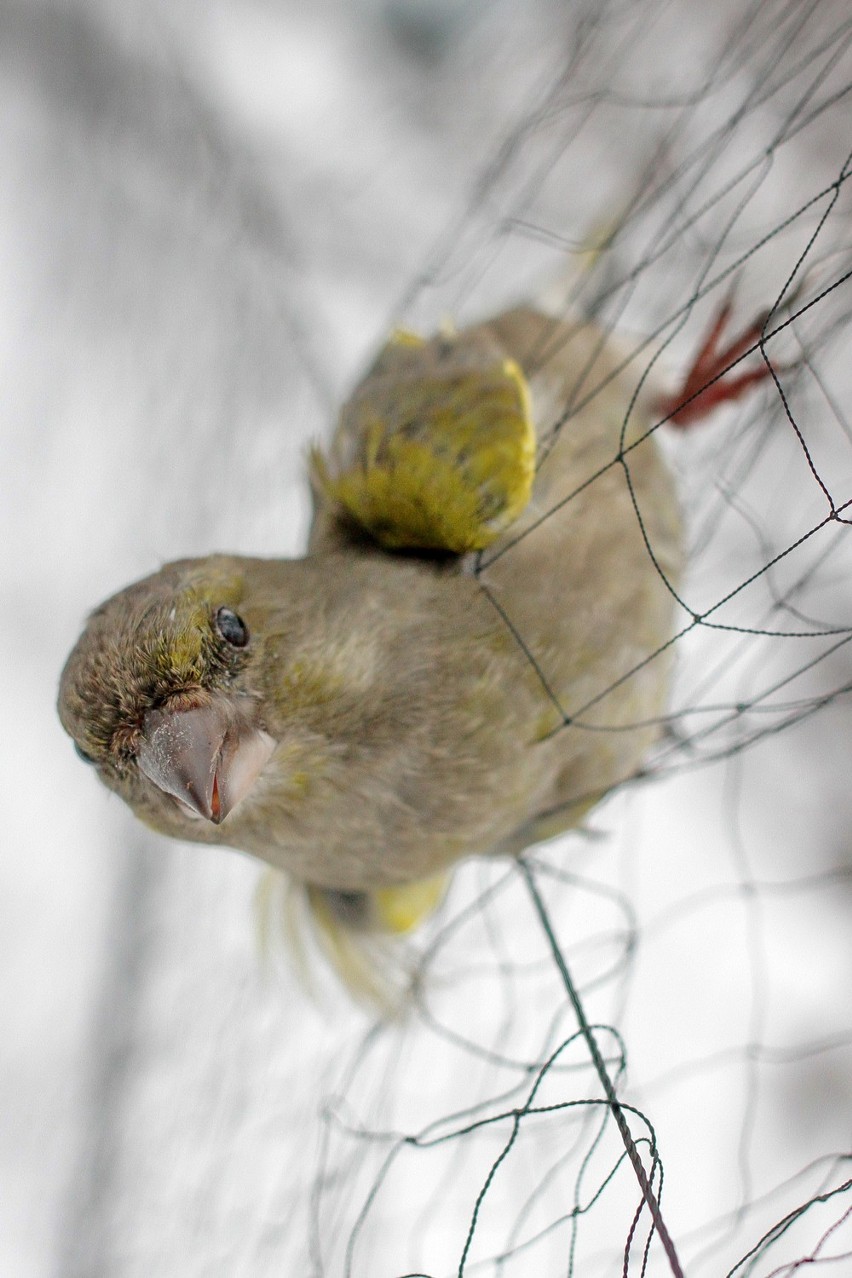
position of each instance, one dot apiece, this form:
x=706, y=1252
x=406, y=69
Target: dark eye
x=232, y=628
x=81, y=753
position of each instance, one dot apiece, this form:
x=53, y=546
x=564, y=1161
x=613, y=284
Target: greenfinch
x=474, y=650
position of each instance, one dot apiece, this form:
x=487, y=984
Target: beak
x=208, y=757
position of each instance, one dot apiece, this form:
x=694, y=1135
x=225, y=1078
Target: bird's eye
x=232, y=628
x=81, y=753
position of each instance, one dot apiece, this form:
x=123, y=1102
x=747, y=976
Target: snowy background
x=210, y=215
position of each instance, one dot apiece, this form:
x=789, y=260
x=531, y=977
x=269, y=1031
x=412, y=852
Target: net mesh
x=630, y=1052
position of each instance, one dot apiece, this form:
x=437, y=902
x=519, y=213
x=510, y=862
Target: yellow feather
x=401, y=909
x=359, y=934
x=443, y=460
x=404, y=337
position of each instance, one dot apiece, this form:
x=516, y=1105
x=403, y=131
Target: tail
x=362, y=936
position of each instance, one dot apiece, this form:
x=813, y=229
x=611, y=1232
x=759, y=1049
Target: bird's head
x=158, y=693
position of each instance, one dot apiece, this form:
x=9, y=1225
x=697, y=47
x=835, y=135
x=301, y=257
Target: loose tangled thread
x=811, y=304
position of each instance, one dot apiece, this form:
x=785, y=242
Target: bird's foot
x=707, y=383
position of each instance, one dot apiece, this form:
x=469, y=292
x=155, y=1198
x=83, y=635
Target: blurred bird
x=472, y=653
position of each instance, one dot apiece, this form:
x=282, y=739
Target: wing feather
x=435, y=449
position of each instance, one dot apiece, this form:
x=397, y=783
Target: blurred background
x=210, y=216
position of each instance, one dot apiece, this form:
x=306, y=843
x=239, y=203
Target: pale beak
x=208, y=757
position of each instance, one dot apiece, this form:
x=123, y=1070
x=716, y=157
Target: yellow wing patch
x=439, y=456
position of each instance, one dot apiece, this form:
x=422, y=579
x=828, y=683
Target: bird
x=474, y=650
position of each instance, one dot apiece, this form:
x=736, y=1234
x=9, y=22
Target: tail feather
x=360, y=935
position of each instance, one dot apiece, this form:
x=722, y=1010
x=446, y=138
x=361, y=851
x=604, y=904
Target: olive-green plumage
x=384, y=717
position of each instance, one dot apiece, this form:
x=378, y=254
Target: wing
x=435, y=450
